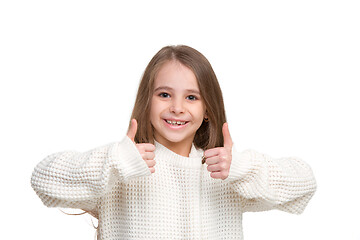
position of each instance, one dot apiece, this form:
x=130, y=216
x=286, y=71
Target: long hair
x=209, y=134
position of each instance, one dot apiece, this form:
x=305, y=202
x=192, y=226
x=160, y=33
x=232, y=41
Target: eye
x=164, y=94
x=192, y=97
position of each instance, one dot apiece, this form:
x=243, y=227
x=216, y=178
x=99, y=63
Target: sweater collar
x=163, y=154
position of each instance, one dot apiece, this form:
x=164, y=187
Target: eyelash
x=195, y=98
x=161, y=94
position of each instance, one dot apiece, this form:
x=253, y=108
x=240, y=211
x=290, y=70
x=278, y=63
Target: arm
x=72, y=179
x=265, y=183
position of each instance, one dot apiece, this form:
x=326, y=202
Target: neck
x=181, y=148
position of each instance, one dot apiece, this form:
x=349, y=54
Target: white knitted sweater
x=180, y=200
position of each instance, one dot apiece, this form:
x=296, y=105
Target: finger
x=227, y=138
x=214, y=168
x=132, y=129
x=212, y=160
x=150, y=163
x=148, y=155
x=152, y=170
x=212, y=152
x=147, y=147
x=219, y=175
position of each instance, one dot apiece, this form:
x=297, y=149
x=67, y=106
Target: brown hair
x=209, y=134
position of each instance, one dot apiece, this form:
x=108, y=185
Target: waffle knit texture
x=180, y=200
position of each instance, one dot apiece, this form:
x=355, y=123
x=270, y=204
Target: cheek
x=199, y=113
x=155, y=110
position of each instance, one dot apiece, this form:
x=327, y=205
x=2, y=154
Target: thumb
x=132, y=130
x=227, y=138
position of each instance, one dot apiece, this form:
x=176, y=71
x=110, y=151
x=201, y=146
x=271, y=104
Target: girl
x=176, y=175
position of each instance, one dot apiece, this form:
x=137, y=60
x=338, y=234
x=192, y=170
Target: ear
x=206, y=114
x=206, y=117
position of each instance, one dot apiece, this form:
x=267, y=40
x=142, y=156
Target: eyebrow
x=171, y=89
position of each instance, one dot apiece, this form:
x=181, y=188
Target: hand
x=219, y=159
x=146, y=150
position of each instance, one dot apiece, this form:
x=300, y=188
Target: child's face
x=176, y=97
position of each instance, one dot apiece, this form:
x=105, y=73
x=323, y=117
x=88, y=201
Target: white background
x=289, y=71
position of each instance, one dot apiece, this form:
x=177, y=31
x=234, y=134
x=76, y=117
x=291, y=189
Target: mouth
x=175, y=124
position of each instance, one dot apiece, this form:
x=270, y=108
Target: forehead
x=177, y=76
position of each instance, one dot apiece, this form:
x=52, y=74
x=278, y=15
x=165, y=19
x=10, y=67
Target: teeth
x=175, y=122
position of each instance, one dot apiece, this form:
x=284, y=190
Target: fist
x=146, y=150
x=219, y=159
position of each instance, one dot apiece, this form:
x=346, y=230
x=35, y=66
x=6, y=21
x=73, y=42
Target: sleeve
x=73, y=179
x=266, y=183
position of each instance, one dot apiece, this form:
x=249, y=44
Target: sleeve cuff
x=128, y=160
x=241, y=165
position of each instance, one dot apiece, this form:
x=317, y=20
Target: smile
x=175, y=124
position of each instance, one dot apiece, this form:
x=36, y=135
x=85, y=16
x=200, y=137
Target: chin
x=175, y=139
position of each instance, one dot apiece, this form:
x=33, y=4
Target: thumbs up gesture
x=219, y=159
x=146, y=150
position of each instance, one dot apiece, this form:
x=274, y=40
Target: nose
x=177, y=106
